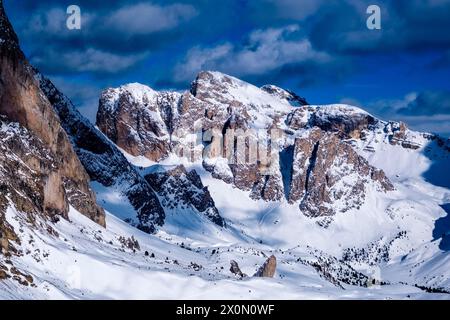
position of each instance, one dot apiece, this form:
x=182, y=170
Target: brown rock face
x=153, y=124
x=7, y=234
x=134, y=122
x=346, y=124
x=267, y=270
x=228, y=112
x=26, y=168
x=329, y=176
x=342, y=120
x=63, y=179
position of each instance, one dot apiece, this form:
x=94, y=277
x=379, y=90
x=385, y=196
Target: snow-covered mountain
x=310, y=162
x=170, y=189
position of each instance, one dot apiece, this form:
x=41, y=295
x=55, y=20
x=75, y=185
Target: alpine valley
x=140, y=205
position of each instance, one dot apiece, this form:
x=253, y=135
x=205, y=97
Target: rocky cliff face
x=26, y=166
x=131, y=117
x=41, y=173
x=263, y=140
x=179, y=189
x=328, y=176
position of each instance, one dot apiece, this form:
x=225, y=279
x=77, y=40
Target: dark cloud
x=427, y=111
x=294, y=9
x=131, y=29
x=406, y=25
x=113, y=38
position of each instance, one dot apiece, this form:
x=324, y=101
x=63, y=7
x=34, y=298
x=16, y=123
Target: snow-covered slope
x=385, y=231
x=79, y=260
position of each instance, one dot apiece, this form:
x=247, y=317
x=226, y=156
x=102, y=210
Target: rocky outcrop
x=62, y=179
x=328, y=176
x=137, y=118
x=182, y=190
x=234, y=269
x=398, y=135
x=233, y=108
x=319, y=169
x=25, y=166
x=267, y=270
x=346, y=121
x=291, y=97
x=131, y=117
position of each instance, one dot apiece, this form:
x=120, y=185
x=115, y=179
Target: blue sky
x=320, y=49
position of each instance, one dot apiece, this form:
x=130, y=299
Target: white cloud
x=266, y=51
x=89, y=60
x=435, y=123
x=201, y=58
x=145, y=18
x=97, y=60
x=136, y=19
x=392, y=106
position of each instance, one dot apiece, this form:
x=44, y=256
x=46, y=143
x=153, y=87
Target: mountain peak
x=8, y=37
x=205, y=74
x=214, y=78
x=139, y=91
x=215, y=83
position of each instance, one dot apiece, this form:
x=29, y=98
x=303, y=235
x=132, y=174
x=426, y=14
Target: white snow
x=86, y=261
x=139, y=93
x=261, y=105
